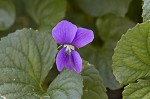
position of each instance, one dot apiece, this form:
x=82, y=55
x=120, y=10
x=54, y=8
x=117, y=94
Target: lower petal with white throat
x=69, y=58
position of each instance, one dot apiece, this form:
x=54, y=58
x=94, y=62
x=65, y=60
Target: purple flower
x=67, y=34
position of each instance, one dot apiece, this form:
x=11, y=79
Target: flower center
x=68, y=47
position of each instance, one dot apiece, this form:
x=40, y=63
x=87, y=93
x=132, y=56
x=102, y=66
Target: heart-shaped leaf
x=131, y=60
x=26, y=57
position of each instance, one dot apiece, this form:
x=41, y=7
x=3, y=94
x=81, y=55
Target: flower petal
x=60, y=59
x=64, y=32
x=63, y=59
x=83, y=37
x=77, y=61
x=69, y=61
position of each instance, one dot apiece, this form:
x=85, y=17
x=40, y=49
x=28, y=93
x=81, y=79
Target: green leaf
x=139, y=90
x=26, y=57
x=93, y=85
x=68, y=85
x=101, y=7
x=116, y=26
x=131, y=56
x=46, y=13
x=7, y=14
x=146, y=10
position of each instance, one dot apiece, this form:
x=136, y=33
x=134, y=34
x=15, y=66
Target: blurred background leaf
x=7, y=14
x=101, y=7
x=111, y=27
x=46, y=13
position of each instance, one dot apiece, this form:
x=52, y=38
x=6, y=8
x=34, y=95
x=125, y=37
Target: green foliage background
x=27, y=55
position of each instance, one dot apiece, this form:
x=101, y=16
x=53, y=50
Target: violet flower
x=67, y=34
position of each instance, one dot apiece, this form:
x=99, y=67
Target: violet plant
x=69, y=36
x=42, y=42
